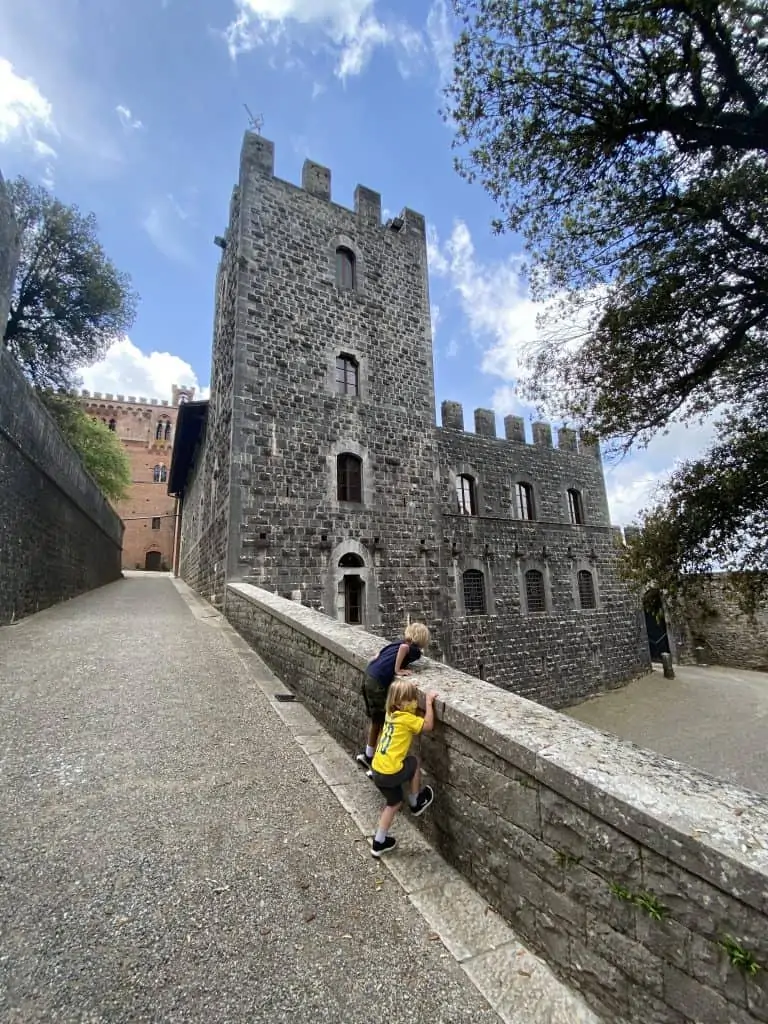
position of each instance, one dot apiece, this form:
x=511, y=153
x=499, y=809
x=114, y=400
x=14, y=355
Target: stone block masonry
x=643, y=883
x=58, y=534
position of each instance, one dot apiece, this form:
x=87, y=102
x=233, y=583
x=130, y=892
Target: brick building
x=316, y=468
x=146, y=429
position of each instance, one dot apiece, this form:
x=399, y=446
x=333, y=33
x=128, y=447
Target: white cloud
x=493, y=297
x=126, y=370
x=26, y=116
x=440, y=36
x=350, y=27
x=164, y=223
x=127, y=120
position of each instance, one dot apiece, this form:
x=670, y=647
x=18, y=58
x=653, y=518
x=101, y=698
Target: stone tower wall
x=289, y=531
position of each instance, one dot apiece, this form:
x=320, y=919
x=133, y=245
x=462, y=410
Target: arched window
x=466, y=495
x=524, y=506
x=160, y=474
x=351, y=561
x=474, y=592
x=159, y=431
x=112, y=425
x=576, y=507
x=345, y=268
x=353, y=600
x=167, y=431
x=535, y=596
x=586, y=583
x=347, y=375
x=349, y=477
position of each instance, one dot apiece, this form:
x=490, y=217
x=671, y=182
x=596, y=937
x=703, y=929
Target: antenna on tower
x=254, y=123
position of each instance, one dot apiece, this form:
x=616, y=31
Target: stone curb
x=518, y=985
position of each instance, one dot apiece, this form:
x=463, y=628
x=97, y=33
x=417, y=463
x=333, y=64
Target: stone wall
x=720, y=633
x=205, y=510
x=567, y=652
x=58, y=534
x=628, y=872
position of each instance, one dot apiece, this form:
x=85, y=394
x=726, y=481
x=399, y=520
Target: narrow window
x=586, y=584
x=347, y=375
x=349, y=477
x=167, y=431
x=160, y=474
x=524, y=501
x=474, y=592
x=576, y=507
x=353, y=600
x=159, y=431
x=466, y=495
x=113, y=425
x=345, y=269
x=156, y=523
x=535, y=597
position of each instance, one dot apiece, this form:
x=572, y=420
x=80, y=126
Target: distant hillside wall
x=58, y=534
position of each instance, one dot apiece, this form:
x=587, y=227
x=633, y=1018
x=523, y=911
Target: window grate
x=535, y=596
x=474, y=592
x=349, y=478
x=586, y=584
x=524, y=501
x=353, y=600
x=347, y=375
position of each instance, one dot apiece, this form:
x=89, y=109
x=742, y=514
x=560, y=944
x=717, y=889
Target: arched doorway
x=656, y=624
x=153, y=561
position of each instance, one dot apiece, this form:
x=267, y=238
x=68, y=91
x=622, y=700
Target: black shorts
x=375, y=697
x=391, y=786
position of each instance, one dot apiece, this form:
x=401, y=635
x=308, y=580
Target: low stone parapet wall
x=643, y=882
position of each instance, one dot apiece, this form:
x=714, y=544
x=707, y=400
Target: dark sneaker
x=364, y=760
x=377, y=849
x=424, y=799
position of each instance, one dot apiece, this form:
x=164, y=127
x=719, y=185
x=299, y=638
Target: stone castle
x=316, y=469
x=146, y=429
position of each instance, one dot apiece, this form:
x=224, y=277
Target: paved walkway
x=169, y=852
x=713, y=718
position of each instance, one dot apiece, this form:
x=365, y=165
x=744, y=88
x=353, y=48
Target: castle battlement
x=183, y=394
x=258, y=157
x=568, y=440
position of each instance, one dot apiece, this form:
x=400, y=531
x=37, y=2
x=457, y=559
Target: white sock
x=370, y=751
x=413, y=799
x=381, y=835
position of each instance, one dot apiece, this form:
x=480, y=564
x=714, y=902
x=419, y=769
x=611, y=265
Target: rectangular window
x=524, y=501
x=349, y=471
x=156, y=523
x=346, y=376
x=576, y=507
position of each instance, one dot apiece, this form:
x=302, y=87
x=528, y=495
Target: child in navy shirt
x=392, y=660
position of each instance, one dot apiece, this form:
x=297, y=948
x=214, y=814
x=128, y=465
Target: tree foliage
x=98, y=446
x=627, y=141
x=70, y=302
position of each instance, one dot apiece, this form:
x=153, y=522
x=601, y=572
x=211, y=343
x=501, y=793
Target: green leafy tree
x=98, y=446
x=627, y=142
x=70, y=302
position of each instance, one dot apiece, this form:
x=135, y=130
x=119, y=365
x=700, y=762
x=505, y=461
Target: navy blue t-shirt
x=382, y=668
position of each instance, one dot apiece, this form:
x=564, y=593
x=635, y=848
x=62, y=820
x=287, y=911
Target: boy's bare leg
x=374, y=731
x=386, y=819
x=415, y=786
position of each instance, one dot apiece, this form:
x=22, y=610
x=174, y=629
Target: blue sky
x=135, y=111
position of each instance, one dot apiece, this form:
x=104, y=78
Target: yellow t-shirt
x=395, y=740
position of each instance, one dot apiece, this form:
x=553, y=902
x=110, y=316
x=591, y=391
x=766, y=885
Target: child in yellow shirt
x=393, y=766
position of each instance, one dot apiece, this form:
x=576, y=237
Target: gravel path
x=167, y=853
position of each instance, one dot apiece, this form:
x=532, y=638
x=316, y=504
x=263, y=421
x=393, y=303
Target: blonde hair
x=402, y=692
x=418, y=633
